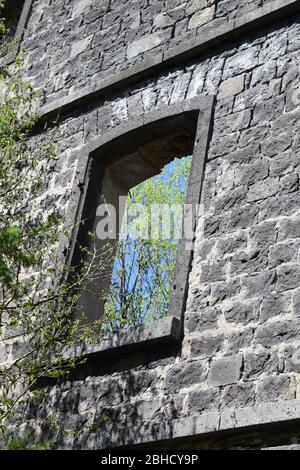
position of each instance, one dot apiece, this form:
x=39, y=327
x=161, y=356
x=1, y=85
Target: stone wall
x=241, y=323
x=71, y=43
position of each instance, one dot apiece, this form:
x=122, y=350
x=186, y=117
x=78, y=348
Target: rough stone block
x=273, y=306
x=80, y=7
x=147, y=410
x=271, y=334
x=289, y=183
x=262, y=283
x=263, y=189
x=202, y=17
x=229, y=245
x=280, y=205
x=200, y=319
x=288, y=277
x=203, y=400
x=263, y=235
x=250, y=174
x=240, y=62
x=234, y=122
x=254, y=134
x=284, y=253
x=231, y=87
x=163, y=20
x=289, y=229
x=258, y=363
x=247, y=154
x=226, y=371
x=239, y=395
x=243, y=217
x=184, y=375
x=3, y=353
x=80, y=46
x=268, y=110
x=221, y=291
x=275, y=388
x=213, y=272
x=276, y=144
x=223, y=146
x=230, y=199
x=206, y=346
x=240, y=312
x=144, y=44
x=239, y=340
x=135, y=106
x=195, y=5
x=251, y=262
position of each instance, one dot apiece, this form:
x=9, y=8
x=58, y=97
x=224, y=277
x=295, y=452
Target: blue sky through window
x=143, y=269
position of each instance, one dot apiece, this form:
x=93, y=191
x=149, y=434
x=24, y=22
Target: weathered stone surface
x=263, y=235
x=206, y=346
x=240, y=312
x=274, y=388
x=244, y=60
x=183, y=375
x=239, y=395
x=201, y=17
x=80, y=7
x=257, y=364
x=201, y=401
x=239, y=340
x=243, y=217
x=224, y=290
x=195, y=5
x=163, y=20
x=289, y=228
x=226, y=371
x=200, y=318
x=252, y=262
x=284, y=253
x=263, y=189
x=232, y=86
x=277, y=333
x=274, y=305
x=288, y=277
x=259, y=284
x=144, y=44
x=80, y=46
x=276, y=145
x=296, y=303
x=3, y=353
x=243, y=298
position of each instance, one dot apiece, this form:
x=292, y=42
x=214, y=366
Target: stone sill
x=160, y=332
x=232, y=421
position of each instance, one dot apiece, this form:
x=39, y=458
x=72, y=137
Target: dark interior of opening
x=122, y=164
x=12, y=12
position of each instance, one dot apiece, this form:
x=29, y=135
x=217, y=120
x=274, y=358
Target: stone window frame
x=170, y=328
x=10, y=56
